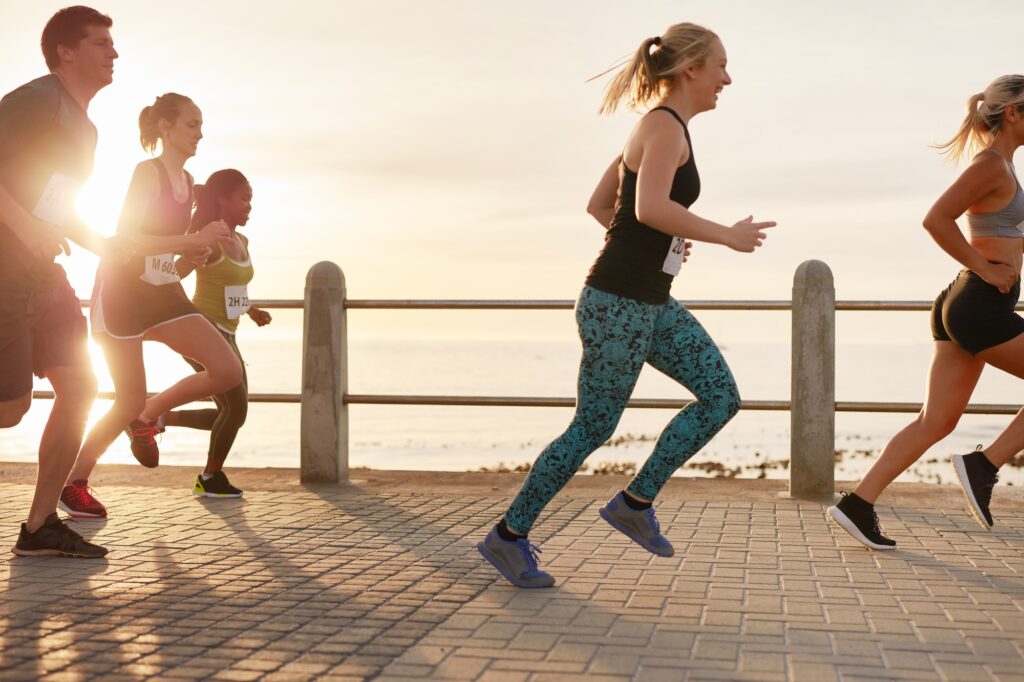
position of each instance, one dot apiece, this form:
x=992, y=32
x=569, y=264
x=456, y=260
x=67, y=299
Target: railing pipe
x=324, y=400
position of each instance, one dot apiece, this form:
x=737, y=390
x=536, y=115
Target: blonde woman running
x=973, y=320
x=625, y=314
x=142, y=299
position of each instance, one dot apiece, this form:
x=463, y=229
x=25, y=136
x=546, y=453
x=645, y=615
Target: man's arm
x=43, y=240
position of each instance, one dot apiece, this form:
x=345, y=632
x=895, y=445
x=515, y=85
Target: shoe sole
x=493, y=560
x=965, y=485
x=77, y=514
x=205, y=494
x=55, y=553
x=844, y=522
x=650, y=548
x=148, y=463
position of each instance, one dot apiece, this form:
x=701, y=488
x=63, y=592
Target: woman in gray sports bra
x=973, y=320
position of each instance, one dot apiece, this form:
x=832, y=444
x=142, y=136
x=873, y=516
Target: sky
x=448, y=149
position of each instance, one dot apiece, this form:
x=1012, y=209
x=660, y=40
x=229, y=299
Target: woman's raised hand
x=217, y=231
x=746, y=235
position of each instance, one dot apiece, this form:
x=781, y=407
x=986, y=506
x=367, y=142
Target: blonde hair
x=166, y=107
x=984, y=116
x=648, y=73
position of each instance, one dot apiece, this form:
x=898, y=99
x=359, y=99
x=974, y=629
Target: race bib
x=236, y=301
x=674, y=259
x=160, y=270
x=57, y=202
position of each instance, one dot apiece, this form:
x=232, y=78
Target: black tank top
x=637, y=261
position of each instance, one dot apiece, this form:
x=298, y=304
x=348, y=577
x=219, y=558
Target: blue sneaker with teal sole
x=639, y=525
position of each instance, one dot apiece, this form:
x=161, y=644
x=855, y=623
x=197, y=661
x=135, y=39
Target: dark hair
x=67, y=28
x=218, y=186
x=166, y=107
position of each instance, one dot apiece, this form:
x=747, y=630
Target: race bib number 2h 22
x=236, y=301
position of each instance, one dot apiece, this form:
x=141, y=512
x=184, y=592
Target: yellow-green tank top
x=221, y=293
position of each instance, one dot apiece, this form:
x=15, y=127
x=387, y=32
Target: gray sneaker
x=517, y=561
x=639, y=525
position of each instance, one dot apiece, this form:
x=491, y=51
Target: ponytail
x=218, y=186
x=634, y=81
x=984, y=118
x=654, y=65
x=166, y=107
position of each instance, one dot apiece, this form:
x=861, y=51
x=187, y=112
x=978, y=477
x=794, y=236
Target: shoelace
x=145, y=433
x=81, y=495
x=531, y=553
x=68, y=540
x=874, y=515
x=653, y=521
x=986, y=489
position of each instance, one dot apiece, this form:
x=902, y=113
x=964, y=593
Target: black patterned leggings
x=224, y=422
x=619, y=335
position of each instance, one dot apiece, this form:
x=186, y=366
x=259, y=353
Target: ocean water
x=537, y=354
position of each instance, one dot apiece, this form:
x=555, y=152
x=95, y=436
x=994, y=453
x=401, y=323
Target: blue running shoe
x=639, y=525
x=517, y=561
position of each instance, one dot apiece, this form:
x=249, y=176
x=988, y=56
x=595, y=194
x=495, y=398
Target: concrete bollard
x=324, y=421
x=813, y=400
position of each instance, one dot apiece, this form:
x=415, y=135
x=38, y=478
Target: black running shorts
x=975, y=315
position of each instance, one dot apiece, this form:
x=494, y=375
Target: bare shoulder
x=658, y=131
x=146, y=179
x=661, y=122
x=988, y=166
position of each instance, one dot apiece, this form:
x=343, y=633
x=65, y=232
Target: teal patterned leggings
x=619, y=335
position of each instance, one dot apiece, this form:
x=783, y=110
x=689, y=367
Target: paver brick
x=352, y=584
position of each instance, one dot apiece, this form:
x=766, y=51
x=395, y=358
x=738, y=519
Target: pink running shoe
x=143, y=438
x=77, y=500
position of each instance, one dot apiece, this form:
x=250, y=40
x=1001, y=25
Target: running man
x=47, y=145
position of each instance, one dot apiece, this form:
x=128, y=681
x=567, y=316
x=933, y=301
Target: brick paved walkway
x=381, y=580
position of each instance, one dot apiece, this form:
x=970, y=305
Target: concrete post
x=813, y=400
x=324, y=421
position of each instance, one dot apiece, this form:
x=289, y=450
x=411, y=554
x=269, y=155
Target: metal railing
x=325, y=397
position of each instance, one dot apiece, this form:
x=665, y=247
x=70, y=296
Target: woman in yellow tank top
x=222, y=296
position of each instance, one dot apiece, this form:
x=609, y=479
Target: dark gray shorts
x=39, y=330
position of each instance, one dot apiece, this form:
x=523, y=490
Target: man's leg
x=60, y=353
x=75, y=389
x=11, y=411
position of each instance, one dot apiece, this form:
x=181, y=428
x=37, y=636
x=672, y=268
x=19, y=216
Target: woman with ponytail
x=142, y=299
x=625, y=314
x=222, y=296
x=973, y=319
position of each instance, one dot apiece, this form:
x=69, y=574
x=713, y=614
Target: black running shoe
x=217, y=485
x=858, y=518
x=977, y=476
x=54, y=538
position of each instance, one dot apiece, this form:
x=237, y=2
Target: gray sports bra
x=1006, y=222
